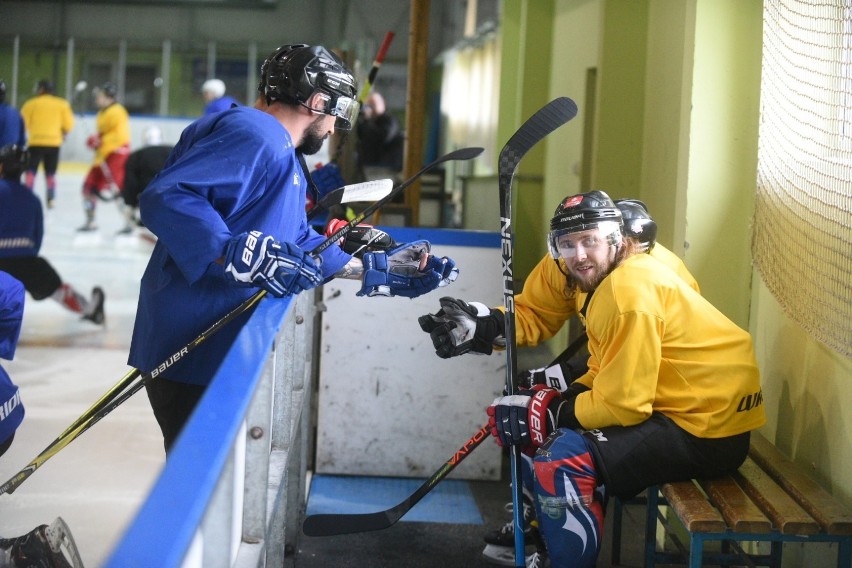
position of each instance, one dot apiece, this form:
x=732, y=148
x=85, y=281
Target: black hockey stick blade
x=330, y=524
x=547, y=119
x=353, y=193
x=460, y=154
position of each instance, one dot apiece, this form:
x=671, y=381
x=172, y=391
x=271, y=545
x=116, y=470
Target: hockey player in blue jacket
x=228, y=210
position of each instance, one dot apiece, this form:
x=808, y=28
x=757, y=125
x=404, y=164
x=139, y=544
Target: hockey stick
x=112, y=399
x=366, y=191
x=374, y=70
x=543, y=122
x=460, y=154
x=329, y=524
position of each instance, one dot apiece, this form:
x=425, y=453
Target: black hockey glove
x=459, y=327
x=361, y=238
x=559, y=376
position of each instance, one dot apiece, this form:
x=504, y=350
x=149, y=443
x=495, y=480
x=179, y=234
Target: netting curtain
x=802, y=235
x=470, y=96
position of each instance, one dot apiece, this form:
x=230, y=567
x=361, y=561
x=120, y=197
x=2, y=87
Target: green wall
x=675, y=121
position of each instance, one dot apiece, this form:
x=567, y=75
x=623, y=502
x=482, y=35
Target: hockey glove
x=559, y=376
x=408, y=270
x=459, y=327
x=361, y=238
x=280, y=268
x=526, y=418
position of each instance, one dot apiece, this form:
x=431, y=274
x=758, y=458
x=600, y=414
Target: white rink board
x=388, y=405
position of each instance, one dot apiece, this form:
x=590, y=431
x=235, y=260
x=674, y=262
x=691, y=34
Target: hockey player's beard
x=313, y=138
x=592, y=276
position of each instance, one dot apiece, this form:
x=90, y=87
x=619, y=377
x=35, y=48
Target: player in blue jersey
x=228, y=210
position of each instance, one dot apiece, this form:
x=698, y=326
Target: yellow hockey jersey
x=546, y=302
x=657, y=345
x=48, y=119
x=113, y=124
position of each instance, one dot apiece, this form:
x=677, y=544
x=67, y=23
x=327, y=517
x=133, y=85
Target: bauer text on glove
x=526, y=418
x=280, y=268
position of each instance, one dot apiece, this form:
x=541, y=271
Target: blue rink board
x=451, y=501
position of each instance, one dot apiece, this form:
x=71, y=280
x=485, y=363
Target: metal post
x=16, y=56
x=165, y=73
x=251, y=76
x=69, y=70
x=211, y=59
x=121, y=72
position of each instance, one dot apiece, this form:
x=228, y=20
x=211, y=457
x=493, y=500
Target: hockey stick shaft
x=329, y=524
x=112, y=399
x=543, y=122
x=461, y=154
x=374, y=70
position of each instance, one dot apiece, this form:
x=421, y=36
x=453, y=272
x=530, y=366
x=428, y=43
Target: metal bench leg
x=651, y=526
x=844, y=554
x=617, y=510
x=696, y=550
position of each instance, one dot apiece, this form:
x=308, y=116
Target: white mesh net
x=802, y=241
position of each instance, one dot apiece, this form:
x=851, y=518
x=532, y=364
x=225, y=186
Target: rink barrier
x=231, y=492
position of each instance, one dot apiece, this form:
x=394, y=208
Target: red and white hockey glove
x=361, y=238
x=526, y=418
x=280, y=268
x=93, y=141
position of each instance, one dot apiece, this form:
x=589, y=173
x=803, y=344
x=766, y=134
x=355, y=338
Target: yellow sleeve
x=545, y=304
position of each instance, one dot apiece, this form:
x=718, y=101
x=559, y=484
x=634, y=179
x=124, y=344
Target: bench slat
x=828, y=512
x=692, y=507
x=741, y=514
x=786, y=515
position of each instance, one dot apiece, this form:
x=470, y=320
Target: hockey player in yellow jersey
x=672, y=389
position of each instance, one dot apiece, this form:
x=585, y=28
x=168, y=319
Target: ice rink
x=62, y=366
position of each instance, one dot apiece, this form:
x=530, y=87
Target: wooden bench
x=769, y=499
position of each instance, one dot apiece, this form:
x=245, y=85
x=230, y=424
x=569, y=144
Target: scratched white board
x=388, y=406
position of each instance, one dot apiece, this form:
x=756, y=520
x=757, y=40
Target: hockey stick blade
x=366, y=191
x=330, y=524
x=543, y=122
x=460, y=154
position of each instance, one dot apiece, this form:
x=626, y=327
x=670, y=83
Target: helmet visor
x=567, y=243
x=345, y=110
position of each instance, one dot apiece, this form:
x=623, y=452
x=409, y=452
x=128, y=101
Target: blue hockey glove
x=280, y=268
x=526, y=418
x=408, y=270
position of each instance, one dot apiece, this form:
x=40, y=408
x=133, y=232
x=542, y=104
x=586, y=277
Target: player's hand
x=460, y=327
x=408, y=270
x=524, y=419
x=280, y=268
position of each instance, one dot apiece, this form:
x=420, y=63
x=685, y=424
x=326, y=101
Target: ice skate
x=43, y=547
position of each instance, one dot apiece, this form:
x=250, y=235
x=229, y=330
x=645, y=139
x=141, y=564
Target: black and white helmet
x=13, y=159
x=293, y=73
x=584, y=212
x=638, y=223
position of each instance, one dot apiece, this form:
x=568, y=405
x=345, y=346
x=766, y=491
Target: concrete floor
x=64, y=364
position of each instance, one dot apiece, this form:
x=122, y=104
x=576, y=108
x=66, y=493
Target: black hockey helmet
x=293, y=73
x=584, y=212
x=13, y=159
x=638, y=223
x=2, y=91
x=108, y=89
x=44, y=86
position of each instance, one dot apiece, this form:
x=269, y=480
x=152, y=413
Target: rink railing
x=232, y=492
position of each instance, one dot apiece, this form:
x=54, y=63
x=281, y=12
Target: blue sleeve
x=11, y=314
